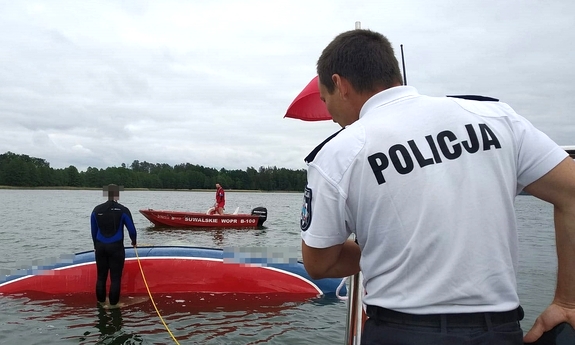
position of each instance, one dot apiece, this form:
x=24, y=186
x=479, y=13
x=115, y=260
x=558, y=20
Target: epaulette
x=476, y=98
x=314, y=152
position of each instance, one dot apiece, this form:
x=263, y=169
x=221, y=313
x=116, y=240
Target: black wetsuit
x=108, y=221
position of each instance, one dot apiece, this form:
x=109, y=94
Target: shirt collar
x=387, y=96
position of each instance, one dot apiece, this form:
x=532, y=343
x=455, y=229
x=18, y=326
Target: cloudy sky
x=104, y=82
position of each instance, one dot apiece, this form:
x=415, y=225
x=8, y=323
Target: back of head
x=364, y=57
x=112, y=191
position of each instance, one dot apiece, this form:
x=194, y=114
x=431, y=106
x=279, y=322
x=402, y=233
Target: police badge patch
x=305, y=220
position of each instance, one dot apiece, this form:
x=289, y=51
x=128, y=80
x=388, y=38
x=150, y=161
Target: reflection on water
x=191, y=318
x=109, y=326
x=181, y=236
x=109, y=321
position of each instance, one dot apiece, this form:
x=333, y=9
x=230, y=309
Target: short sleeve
x=537, y=153
x=323, y=220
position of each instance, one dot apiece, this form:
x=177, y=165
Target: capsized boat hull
x=203, y=220
x=177, y=270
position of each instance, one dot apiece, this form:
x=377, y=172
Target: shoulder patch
x=305, y=220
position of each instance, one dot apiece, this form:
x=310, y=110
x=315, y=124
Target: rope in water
x=151, y=298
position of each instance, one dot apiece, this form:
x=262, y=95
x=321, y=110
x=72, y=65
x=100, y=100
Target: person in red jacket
x=220, y=199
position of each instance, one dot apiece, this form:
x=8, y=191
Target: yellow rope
x=151, y=298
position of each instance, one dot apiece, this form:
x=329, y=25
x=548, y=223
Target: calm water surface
x=39, y=226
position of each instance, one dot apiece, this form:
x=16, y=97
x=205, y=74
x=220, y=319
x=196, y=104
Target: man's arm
x=332, y=262
x=558, y=188
x=129, y=222
x=93, y=227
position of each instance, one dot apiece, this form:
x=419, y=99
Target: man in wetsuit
x=220, y=199
x=107, y=222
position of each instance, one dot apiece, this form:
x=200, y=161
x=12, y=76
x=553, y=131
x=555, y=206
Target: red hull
x=201, y=220
x=179, y=278
x=170, y=275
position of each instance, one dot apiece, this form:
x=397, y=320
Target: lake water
x=39, y=226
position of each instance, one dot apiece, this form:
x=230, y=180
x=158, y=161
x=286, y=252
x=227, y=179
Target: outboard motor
x=262, y=212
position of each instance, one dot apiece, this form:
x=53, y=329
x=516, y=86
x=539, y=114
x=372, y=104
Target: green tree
x=74, y=179
x=26, y=171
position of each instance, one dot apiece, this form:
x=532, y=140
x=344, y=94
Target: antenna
x=403, y=63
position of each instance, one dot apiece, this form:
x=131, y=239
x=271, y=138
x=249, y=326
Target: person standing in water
x=107, y=222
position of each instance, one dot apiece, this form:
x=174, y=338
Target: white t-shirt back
x=427, y=184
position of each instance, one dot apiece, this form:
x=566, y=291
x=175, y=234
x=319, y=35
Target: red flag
x=308, y=106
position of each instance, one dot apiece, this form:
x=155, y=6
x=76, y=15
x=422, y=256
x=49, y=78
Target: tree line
x=21, y=170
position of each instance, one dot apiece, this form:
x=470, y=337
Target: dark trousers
x=109, y=259
x=387, y=327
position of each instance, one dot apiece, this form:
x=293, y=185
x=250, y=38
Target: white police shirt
x=427, y=184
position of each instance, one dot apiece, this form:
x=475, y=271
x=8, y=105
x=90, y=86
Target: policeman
x=427, y=186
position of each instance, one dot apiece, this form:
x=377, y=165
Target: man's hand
x=558, y=188
x=551, y=317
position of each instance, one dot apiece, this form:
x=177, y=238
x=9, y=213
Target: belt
x=446, y=320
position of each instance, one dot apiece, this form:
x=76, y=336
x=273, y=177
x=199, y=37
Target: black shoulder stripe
x=310, y=157
x=314, y=152
x=475, y=98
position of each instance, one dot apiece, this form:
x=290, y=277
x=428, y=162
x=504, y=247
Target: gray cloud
x=105, y=83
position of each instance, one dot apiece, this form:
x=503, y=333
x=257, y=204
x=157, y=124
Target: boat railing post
x=354, y=322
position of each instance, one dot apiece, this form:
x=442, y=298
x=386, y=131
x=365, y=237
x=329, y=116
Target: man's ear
x=342, y=85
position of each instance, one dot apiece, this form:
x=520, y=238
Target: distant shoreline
x=147, y=189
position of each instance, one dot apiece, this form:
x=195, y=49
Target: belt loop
x=443, y=322
x=488, y=321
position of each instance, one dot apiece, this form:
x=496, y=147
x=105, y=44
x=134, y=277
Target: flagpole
x=403, y=63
